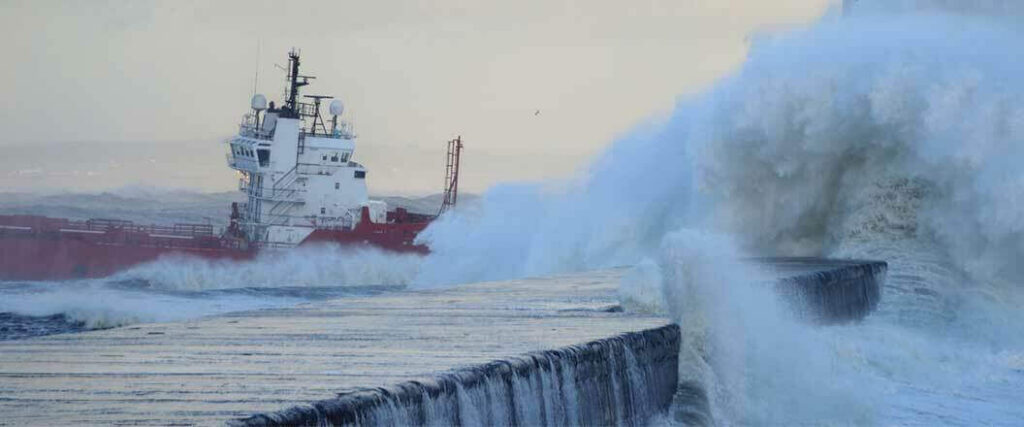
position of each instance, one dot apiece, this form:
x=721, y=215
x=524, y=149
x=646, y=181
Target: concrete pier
x=213, y=370
x=552, y=350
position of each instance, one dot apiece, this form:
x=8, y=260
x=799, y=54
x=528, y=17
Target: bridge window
x=323, y=211
x=264, y=156
x=334, y=158
x=337, y=185
x=360, y=175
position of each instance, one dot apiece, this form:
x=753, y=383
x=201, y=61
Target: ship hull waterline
x=38, y=257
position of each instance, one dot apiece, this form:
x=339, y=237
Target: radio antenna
x=256, y=79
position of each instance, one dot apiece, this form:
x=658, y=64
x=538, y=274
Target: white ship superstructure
x=297, y=170
x=302, y=189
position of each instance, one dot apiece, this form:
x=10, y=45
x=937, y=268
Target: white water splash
x=99, y=305
x=180, y=288
x=307, y=266
x=887, y=136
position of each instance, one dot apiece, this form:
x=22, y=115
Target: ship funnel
x=337, y=107
x=259, y=102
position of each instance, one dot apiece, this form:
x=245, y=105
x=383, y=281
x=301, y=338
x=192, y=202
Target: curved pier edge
x=828, y=292
x=846, y=293
x=622, y=380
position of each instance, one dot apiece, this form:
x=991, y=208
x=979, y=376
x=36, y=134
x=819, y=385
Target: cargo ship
x=301, y=184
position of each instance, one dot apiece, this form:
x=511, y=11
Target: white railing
x=286, y=180
x=251, y=131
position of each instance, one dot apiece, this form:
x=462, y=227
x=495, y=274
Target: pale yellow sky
x=166, y=81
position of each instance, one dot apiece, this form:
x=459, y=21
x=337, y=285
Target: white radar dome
x=259, y=102
x=337, y=107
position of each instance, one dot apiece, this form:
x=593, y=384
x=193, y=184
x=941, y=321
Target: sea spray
x=880, y=135
x=611, y=214
x=889, y=99
x=640, y=289
x=176, y=288
x=98, y=304
x=306, y=266
x=745, y=356
x=778, y=153
x=1007, y=10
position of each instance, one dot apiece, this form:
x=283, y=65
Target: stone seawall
x=820, y=291
x=830, y=291
x=623, y=380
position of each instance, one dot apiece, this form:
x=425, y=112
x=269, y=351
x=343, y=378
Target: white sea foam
x=307, y=266
x=99, y=305
x=757, y=363
x=178, y=288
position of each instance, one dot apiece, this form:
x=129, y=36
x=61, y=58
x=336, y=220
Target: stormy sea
x=893, y=131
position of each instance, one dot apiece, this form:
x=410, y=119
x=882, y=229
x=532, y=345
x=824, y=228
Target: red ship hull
x=47, y=258
x=41, y=248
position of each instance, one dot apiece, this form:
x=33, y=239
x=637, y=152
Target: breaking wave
x=99, y=304
x=180, y=288
x=880, y=135
x=789, y=154
x=307, y=266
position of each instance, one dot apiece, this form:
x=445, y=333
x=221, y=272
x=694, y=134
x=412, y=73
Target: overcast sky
x=103, y=94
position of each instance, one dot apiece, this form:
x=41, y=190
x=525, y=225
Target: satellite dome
x=337, y=107
x=259, y=102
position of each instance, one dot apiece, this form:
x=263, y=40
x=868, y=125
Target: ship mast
x=451, y=175
x=291, y=105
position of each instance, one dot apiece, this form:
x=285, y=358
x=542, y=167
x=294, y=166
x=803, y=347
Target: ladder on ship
x=451, y=175
x=283, y=194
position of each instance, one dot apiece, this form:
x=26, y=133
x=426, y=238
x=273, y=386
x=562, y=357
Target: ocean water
x=894, y=132
x=31, y=309
x=174, y=289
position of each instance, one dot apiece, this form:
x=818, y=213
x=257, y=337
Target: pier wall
x=819, y=291
x=623, y=380
x=843, y=291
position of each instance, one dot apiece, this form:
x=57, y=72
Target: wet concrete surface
x=211, y=370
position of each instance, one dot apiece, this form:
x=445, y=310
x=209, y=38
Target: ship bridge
x=296, y=168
